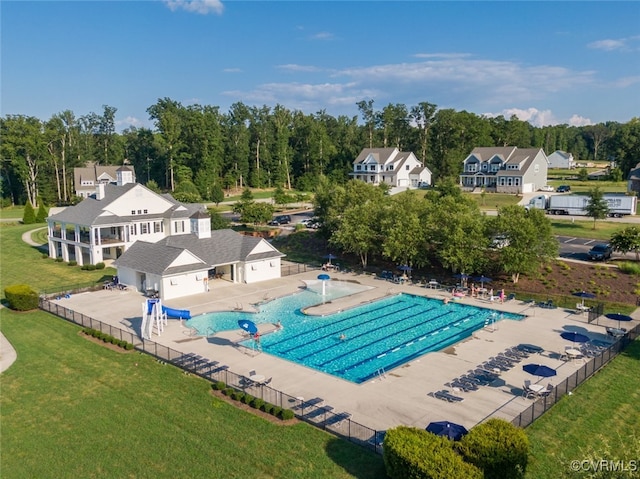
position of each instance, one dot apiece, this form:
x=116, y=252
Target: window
x=134, y=229
x=157, y=227
x=516, y=181
x=144, y=228
x=139, y=212
x=390, y=167
x=145, y=212
x=133, y=212
x=472, y=168
x=372, y=167
x=509, y=181
x=358, y=167
x=178, y=227
x=372, y=178
x=407, y=167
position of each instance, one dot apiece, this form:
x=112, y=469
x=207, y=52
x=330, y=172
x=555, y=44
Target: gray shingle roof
x=155, y=258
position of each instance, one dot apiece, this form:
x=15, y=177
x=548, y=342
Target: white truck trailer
x=575, y=205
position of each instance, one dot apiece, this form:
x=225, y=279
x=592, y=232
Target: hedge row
x=495, y=449
x=85, y=267
x=107, y=338
x=21, y=297
x=254, y=402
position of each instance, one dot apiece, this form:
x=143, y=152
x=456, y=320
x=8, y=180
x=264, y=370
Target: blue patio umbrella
x=447, y=429
x=405, y=267
x=539, y=370
x=483, y=279
x=574, y=337
x=619, y=317
x=330, y=257
x=249, y=326
x=324, y=278
x=583, y=295
x=462, y=277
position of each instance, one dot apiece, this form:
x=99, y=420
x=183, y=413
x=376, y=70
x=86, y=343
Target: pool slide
x=170, y=312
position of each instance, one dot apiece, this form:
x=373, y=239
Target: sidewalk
x=7, y=353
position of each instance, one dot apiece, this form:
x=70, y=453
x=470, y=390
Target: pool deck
x=400, y=397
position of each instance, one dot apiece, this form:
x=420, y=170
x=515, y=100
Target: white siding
x=185, y=258
x=182, y=285
x=139, y=198
x=261, y=270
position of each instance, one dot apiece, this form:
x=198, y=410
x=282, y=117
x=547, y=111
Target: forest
x=197, y=149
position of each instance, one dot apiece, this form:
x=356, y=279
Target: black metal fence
x=312, y=411
x=542, y=405
x=595, y=312
x=296, y=268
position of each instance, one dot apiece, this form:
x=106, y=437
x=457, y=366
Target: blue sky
x=547, y=62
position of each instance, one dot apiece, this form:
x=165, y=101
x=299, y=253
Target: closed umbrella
x=330, y=257
x=483, y=279
x=539, y=370
x=447, y=429
x=574, y=337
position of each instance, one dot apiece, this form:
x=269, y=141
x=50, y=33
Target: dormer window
x=358, y=167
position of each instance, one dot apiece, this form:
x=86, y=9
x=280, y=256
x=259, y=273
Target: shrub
x=498, y=447
x=41, y=216
x=228, y=391
x=268, y=408
x=237, y=395
x=257, y=403
x=246, y=399
x=412, y=452
x=59, y=259
x=629, y=268
x=218, y=385
x=100, y=265
x=72, y=263
x=29, y=215
x=90, y=267
x=44, y=256
x=21, y=297
x=129, y=346
x=276, y=411
x=286, y=414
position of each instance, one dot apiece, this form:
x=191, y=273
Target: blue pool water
x=378, y=336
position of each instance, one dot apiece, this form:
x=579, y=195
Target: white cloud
x=322, y=36
x=625, y=82
x=442, y=55
x=532, y=115
x=577, y=120
x=610, y=44
x=232, y=70
x=203, y=7
x=130, y=121
x=299, y=68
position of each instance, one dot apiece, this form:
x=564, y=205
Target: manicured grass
x=40, y=236
x=22, y=263
x=14, y=212
x=493, y=201
x=599, y=420
x=74, y=409
x=582, y=227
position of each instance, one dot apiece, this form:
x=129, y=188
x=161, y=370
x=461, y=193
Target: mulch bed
x=256, y=412
x=112, y=347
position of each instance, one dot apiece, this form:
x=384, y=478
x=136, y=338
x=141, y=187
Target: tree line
x=196, y=149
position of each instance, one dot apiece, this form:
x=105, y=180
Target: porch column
x=79, y=258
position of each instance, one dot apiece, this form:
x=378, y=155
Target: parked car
x=563, y=189
x=273, y=222
x=499, y=242
x=283, y=219
x=547, y=188
x=600, y=252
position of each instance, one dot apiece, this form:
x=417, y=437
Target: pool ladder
x=381, y=373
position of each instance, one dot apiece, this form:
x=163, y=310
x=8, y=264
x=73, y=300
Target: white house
x=86, y=179
x=390, y=166
x=505, y=169
x=561, y=159
x=158, y=241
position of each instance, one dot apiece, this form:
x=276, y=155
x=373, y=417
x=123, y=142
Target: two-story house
x=159, y=243
x=390, y=166
x=505, y=169
x=561, y=159
x=87, y=178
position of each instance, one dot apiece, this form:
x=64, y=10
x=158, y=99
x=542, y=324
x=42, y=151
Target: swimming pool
x=378, y=336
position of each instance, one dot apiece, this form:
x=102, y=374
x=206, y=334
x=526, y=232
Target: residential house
x=633, y=181
x=158, y=241
x=505, y=169
x=390, y=166
x=561, y=159
x=86, y=179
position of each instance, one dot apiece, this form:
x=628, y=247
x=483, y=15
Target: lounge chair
x=510, y=297
x=548, y=390
x=526, y=391
x=445, y=395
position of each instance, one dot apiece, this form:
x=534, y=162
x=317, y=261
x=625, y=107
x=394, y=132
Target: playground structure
x=155, y=316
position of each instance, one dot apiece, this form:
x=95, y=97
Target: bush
x=246, y=399
x=228, y=391
x=100, y=265
x=257, y=403
x=497, y=447
x=59, y=259
x=41, y=216
x=276, y=411
x=218, y=385
x=44, y=256
x=286, y=414
x=88, y=267
x=237, y=395
x=29, y=215
x=412, y=452
x=72, y=263
x=129, y=346
x=21, y=297
x=268, y=408
x=629, y=268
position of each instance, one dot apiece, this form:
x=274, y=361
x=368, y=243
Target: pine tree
x=29, y=216
x=41, y=217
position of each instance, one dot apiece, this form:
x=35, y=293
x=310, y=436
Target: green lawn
x=493, y=201
x=583, y=227
x=12, y=212
x=22, y=263
x=74, y=409
x=599, y=420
